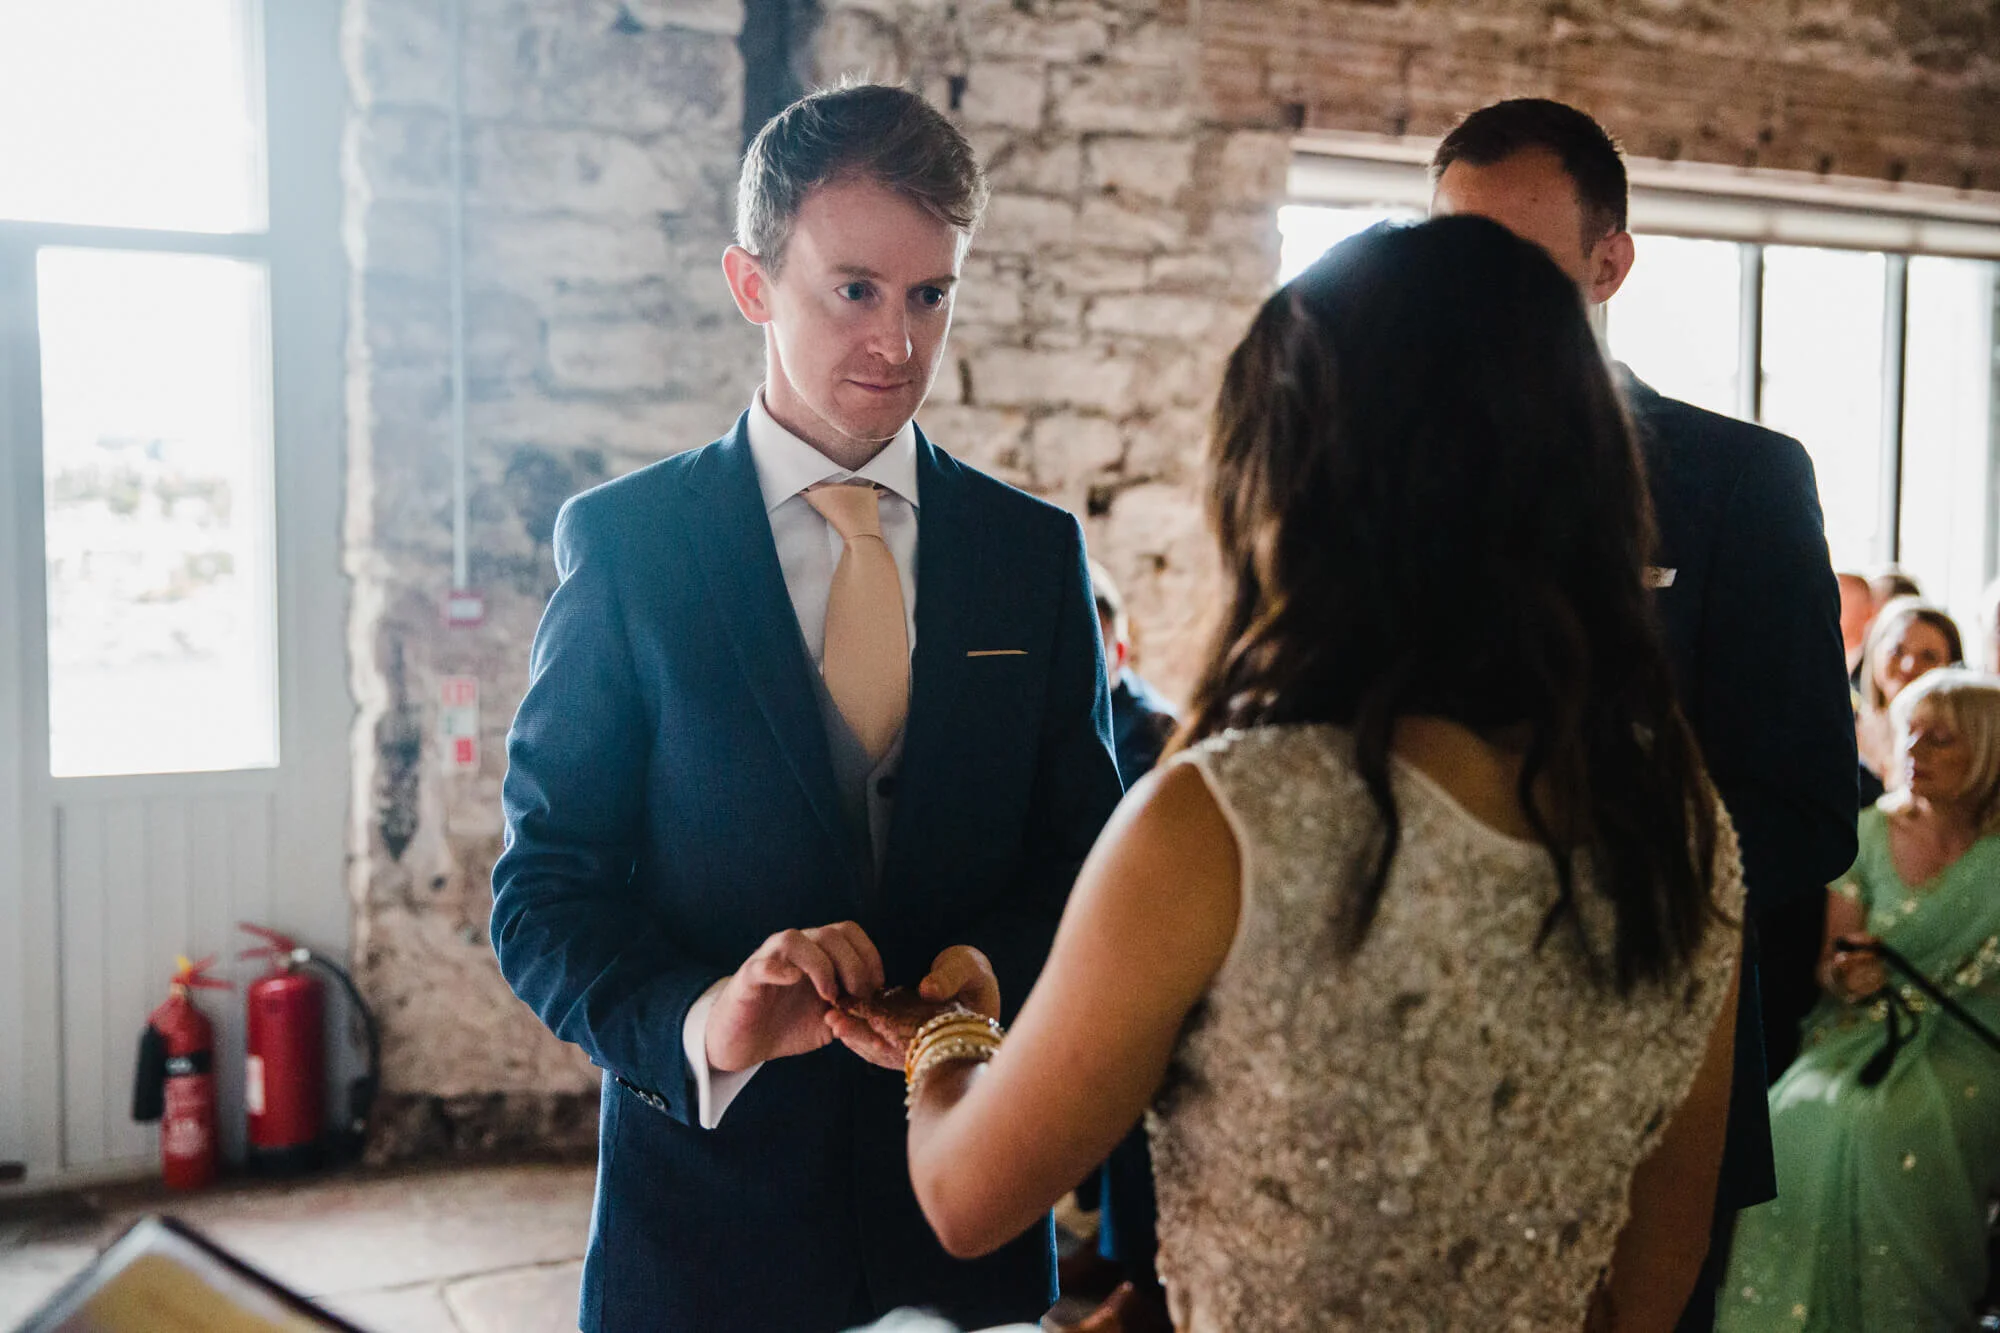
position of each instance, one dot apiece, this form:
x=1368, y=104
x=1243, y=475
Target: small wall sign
x=458, y=723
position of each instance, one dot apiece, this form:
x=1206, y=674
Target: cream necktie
x=866, y=663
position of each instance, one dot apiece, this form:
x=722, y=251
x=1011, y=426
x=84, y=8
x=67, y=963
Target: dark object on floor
x=1087, y=1275
x=1129, y=1309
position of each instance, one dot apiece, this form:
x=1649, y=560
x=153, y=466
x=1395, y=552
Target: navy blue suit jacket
x=1752, y=626
x=670, y=804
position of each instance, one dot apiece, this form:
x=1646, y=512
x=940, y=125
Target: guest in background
x=1441, y=838
x=1121, y=1190
x=1142, y=720
x=1857, y=612
x=1880, y=1220
x=1909, y=638
x=1889, y=583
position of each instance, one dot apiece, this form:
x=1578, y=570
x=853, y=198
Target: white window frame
x=296, y=48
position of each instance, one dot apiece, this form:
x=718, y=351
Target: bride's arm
x=1147, y=927
x=1658, y=1255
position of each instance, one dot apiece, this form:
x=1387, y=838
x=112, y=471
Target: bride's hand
x=880, y=1027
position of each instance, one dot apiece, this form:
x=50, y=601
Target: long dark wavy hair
x=1429, y=501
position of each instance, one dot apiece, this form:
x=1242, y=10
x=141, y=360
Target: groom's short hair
x=866, y=131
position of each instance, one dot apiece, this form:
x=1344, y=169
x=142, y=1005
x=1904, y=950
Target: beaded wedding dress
x=1437, y=1132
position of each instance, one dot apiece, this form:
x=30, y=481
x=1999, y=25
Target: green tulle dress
x=1880, y=1220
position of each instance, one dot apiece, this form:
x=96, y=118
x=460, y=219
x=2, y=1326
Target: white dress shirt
x=808, y=551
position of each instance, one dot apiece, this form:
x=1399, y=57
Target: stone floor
x=493, y=1249
x=482, y=1249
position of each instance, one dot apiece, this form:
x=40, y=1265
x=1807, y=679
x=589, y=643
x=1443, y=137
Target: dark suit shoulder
x=640, y=492
x=631, y=507
x=1694, y=436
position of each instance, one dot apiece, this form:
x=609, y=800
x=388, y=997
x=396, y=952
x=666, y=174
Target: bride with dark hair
x=1419, y=954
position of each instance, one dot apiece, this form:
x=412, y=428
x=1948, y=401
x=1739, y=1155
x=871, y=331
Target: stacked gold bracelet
x=956, y=1034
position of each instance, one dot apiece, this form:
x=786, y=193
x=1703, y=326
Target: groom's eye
x=854, y=291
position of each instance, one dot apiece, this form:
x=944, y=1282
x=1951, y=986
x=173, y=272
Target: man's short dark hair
x=868, y=131
x=1587, y=152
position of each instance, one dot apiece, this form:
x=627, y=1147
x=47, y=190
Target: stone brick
x=1167, y=444
x=396, y=53
x=722, y=17
x=1071, y=450
x=1012, y=93
x=1026, y=223
x=1010, y=31
x=531, y=253
x=402, y=237
x=1155, y=540
x=1143, y=168
x=1011, y=377
x=1116, y=98
x=1253, y=166
x=854, y=42
x=582, y=171
x=1115, y=225
x=610, y=78
x=988, y=300
x=610, y=357
x=1028, y=166
x=994, y=441
x=1085, y=272
x=1180, y=318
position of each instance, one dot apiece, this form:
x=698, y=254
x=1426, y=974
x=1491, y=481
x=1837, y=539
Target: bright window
x=156, y=470
x=1675, y=320
x=131, y=113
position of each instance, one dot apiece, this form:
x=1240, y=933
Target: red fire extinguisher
x=284, y=1058
x=284, y=1076
x=175, y=1084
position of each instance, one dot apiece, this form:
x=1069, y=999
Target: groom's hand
x=880, y=1033
x=776, y=1003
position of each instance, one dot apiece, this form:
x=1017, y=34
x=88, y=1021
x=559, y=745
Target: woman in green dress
x=1880, y=1220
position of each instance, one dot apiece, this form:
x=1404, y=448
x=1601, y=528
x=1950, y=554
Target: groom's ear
x=748, y=283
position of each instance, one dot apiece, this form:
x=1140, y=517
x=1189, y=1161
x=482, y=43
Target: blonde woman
x=1880, y=1220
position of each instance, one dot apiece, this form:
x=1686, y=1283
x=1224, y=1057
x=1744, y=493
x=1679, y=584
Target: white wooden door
x=173, y=699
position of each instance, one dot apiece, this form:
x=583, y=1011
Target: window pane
x=136, y=113
x=1309, y=231
x=1823, y=384
x=1674, y=322
x=157, y=493
x=1946, y=414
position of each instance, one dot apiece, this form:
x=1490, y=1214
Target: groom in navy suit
x=1746, y=598
x=814, y=709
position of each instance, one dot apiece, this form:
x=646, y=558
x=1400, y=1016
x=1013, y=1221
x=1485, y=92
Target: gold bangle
x=978, y=1048
x=952, y=1021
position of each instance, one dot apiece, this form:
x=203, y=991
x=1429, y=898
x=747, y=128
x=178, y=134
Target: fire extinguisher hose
x=348, y=1139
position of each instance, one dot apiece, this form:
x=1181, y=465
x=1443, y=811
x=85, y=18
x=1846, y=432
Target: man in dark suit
x=814, y=708
x=1746, y=595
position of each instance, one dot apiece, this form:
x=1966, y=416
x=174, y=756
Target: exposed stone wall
x=1885, y=89
x=1138, y=150
x=600, y=150
x=1130, y=236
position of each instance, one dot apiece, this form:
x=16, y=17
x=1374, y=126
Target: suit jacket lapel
x=947, y=571
x=731, y=536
